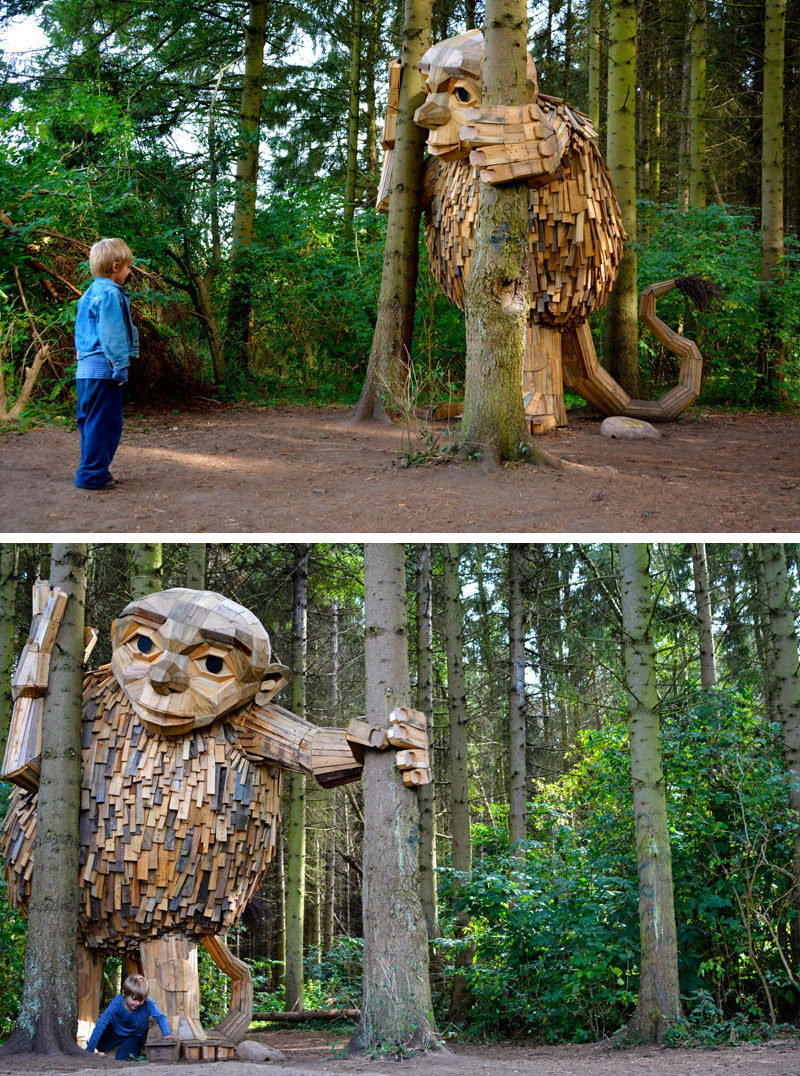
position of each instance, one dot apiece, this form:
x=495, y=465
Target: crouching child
x=123, y=1025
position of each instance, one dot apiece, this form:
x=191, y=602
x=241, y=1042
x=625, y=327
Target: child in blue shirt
x=124, y=1023
x=106, y=340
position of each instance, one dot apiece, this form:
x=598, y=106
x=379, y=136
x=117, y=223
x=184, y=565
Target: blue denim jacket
x=105, y=337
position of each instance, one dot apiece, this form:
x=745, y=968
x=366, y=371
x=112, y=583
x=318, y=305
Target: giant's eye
x=144, y=644
x=463, y=94
x=214, y=663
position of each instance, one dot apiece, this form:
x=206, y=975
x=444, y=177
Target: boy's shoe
x=110, y=484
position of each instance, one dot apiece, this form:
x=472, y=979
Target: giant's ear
x=388, y=137
x=275, y=679
x=532, y=81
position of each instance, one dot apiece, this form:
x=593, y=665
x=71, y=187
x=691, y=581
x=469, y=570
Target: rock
x=250, y=1050
x=629, y=429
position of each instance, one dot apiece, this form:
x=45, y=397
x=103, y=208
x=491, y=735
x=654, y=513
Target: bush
x=556, y=934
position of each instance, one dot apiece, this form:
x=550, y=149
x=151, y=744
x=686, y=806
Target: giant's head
x=452, y=72
x=186, y=657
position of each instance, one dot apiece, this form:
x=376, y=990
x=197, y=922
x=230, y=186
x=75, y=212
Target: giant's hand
x=408, y=732
x=515, y=142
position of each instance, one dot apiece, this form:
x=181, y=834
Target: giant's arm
x=516, y=142
x=21, y=764
x=270, y=733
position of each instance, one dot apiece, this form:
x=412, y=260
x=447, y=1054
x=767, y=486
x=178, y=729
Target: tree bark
x=351, y=166
x=594, y=63
x=295, y=861
x=786, y=684
x=427, y=799
x=396, y=1004
x=237, y=327
x=697, y=104
x=517, y=813
x=48, y=1015
x=146, y=565
x=9, y=566
x=387, y=371
x=772, y=177
x=705, y=626
x=659, y=1003
x=621, y=343
x=196, y=566
x=461, y=845
x=498, y=291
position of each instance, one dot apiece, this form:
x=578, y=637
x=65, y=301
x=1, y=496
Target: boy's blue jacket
x=127, y=1023
x=105, y=337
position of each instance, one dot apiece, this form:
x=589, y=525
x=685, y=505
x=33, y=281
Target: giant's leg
x=170, y=967
x=233, y=1026
x=584, y=374
x=90, y=989
x=542, y=388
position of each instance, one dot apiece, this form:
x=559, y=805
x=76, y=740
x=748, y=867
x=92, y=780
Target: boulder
x=629, y=429
x=250, y=1050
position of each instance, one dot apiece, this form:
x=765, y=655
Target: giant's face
x=452, y=72
x=186, y=657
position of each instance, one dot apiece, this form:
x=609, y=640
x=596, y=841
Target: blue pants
x=130, y=1047
x=99, y=415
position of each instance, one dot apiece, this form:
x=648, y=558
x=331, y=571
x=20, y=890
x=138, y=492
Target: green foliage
x=722, y=244
x=13, y=932
x=331, y=980
x=556, y=933
x=314, y=301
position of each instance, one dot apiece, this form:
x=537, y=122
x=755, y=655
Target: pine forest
x=609, y=844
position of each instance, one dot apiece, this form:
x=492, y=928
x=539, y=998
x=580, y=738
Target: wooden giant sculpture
x=576, y=232
x=183, y=755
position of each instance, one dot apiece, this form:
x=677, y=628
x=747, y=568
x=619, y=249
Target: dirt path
x=314, y=1054
x=291, y=470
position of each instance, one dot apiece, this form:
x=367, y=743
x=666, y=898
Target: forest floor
x=314, y=1053
x=292, y=469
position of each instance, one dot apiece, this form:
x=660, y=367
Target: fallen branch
x=308, y=1014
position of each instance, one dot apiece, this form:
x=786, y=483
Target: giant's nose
x=434, y=112
x=169, y=674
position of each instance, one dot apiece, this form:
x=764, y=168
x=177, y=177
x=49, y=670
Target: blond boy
x=105, y=340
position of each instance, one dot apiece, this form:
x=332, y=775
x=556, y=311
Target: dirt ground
x=290, y=470
x=316, y=1054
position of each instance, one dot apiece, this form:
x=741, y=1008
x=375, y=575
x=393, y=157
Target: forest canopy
x=143, y=119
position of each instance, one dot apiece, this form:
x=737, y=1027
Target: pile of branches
x=42, y=274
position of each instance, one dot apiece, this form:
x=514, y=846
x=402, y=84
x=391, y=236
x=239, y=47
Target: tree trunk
x=48, y=1015
x=351, y=166
x=517, y=814
x=427, y=801
x=295, y=862
x=772, y=178
x=498, y=291
x=683, y=136
x=329, y=906
x=621, y=343
x=196, y=566
x=237, y=327
x=705, y=626
x=786, y=686
x=396, y=1003
x=659, y=1003
x=371, y=147
x=697, y=104
x=387, y=371
x=594, y=63
x=146, y=566
x=461, y=846
x=9, y=566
